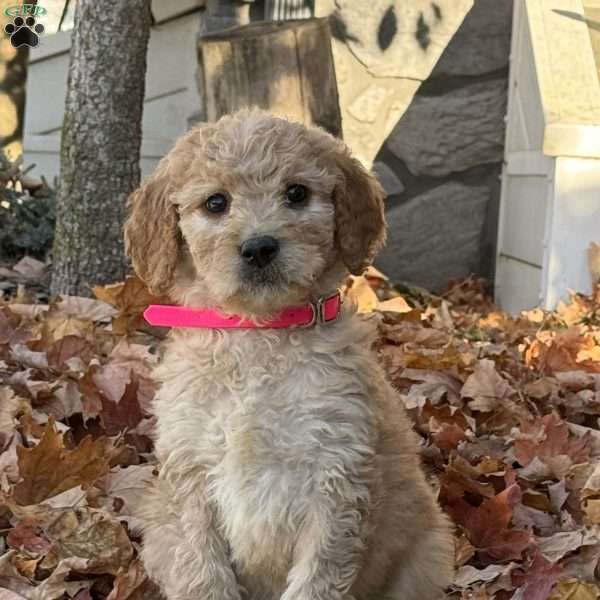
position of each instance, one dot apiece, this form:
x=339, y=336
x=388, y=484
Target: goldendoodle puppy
x=289, y=470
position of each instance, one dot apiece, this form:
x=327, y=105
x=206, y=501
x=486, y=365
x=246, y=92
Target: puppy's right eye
x=217, y=203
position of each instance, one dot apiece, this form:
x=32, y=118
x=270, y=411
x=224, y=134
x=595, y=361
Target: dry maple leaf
x=448, y=435
x=57, y=325
x=554, y=547
x=468, y=575
x=68, y=347
x=125, y=413
x=11, y=406
x=130, y=297
x=134, y=585
x=30, y=267
x=536, y=582
x=460, y=478
x=86, y=308
x=13, y=585
x=65, y=401
x=66, y=580
x=396, y=305
x=28, y=535
x=569, y=350
x=486, y=387
x=92, y=536
x=14, y=329
x=123, y=492
x=361, y=294
x=573, y=589
x=51, y=468
x=548, y=439
x=432, y=387
x=487, y=525
x=590, y=497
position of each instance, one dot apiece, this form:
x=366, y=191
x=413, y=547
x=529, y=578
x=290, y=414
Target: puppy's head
x=254, y=213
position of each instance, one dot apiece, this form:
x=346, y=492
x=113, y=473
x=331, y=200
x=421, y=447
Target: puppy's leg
x=330, y=542
x=426, y=569
x=182, y=550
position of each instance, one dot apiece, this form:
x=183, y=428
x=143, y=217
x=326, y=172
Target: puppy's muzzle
x=259, y=251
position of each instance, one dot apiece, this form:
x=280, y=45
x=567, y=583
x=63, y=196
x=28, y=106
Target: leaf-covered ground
x=507, y=409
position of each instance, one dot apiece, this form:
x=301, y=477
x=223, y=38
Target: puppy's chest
x=277, y=436
x=268, y=422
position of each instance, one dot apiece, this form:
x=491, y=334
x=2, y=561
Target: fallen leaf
x=486, y=387
x=449, y=436
x=12, y=583
x=561, y=543
x=93, y=537
x=134, y=585
x=548, y=439
x=466, y=576
x=87, y=309
x=62, y=581
x=124, y=414
x=14, y=329
x=50, y=468
x=396, y=305
x=590, y=497
x=68, y=347
x=65, y=401
x=487, y=525
x=30, y=267
x=28, y=535
x=573, y=589
x=361, y=294
x=123, y=493
x=130, y=298
x=57, y=326
x=536, y=581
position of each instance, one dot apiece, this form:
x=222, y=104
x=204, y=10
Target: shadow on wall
x=441, y=163
x=389, y=27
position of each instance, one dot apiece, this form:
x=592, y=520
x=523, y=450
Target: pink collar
x=324, y=310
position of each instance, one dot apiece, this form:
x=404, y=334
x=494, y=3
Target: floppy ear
x=152, y=236
x=359, y=213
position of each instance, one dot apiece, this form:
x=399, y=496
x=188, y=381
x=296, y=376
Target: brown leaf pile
x=508, y=410
x=75, y=451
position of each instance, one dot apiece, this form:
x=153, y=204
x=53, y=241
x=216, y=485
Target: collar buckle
x=318, y=310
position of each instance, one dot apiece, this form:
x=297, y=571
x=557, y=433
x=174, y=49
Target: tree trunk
x=13, y=80
x=285, y=67
x=101, y=137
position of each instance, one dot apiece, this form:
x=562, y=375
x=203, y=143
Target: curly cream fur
x=289, y=469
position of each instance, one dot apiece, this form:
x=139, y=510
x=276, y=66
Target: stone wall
x=383, y=51
x=447, y=151
x=423, y=88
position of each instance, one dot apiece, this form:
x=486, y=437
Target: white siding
x=519, y=285
x=550, y=200
x=525, y=209
x=171, y=97
x=575, y=223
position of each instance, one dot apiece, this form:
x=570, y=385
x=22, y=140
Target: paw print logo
x=24, y=32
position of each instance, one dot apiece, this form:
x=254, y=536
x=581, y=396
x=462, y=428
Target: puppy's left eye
x=296, y=193
x=217, y=203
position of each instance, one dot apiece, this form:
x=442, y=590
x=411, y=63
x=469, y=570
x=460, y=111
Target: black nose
x=259, y=251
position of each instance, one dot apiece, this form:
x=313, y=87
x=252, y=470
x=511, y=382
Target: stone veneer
x=423, y=88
